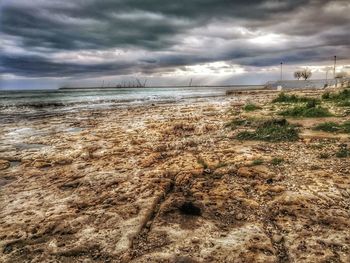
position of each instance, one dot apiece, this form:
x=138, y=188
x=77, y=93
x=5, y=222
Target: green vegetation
x=282, y=97
x=251, y=107
x=326, y=96
x=257, y=162
x=272, y=131
x=342, y=98
x=327, y=127
x=343, y=152
x=345, y=103
x=233, y=124
x=333, y=127
x=324, y=155
x=310, y=111
x=203, y=163
x=277, y=161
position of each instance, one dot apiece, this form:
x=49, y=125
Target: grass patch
x=272, y=131
x=284, y=98
x=324, y=156
x=309, y=111
x=277, y=161
x=342, y=98
x=233, y=124
x=333, y=127
x=257, y=162
x=327, y=127
x=345, y=103
x=251, y=107
x=343, y=152
x=203, y=163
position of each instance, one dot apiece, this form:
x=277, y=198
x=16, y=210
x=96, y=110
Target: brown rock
x=4, y=164
x=41, y=164
x=250, y=203
x=150, y=160
x=183, y=178
x=245, y=172
x=63, y=161
x=225, y=170
x=262, y=171
x=277, y=189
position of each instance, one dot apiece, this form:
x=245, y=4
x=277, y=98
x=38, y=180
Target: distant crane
x=139, y=84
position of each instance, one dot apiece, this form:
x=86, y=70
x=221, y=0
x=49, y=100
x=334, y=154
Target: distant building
x=306, y=84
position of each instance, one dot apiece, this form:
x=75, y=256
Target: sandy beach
x=171, y=182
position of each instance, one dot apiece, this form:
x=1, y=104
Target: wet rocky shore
x=172, y=182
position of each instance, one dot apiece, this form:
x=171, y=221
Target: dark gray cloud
x=54, y=38
x=36, y=66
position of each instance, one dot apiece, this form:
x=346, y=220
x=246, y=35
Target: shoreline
x=159, y=87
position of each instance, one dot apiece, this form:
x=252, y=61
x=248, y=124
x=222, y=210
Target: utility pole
x=335, y=62
x=281, y=70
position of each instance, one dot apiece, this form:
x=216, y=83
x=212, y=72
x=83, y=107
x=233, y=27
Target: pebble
x=195, y=240
x=239, y=216
x=277, y=238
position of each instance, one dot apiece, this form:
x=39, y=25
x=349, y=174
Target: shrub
x=327, y=127
x=333, y=127
x=324, y=156
x=275, y=130
x=346, y=126
x=277, y=161
x=326, y=96
x=311, y=103
x=343, y=152
x=233, y=124
x=282, y=97
x=251, y=107
x=342, y=98
x=309, y=111
x=203, y=163
x=345, y=103
x=257, y=162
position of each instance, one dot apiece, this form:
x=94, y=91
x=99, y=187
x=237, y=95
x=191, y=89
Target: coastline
x=32, y=104
x=169, y=181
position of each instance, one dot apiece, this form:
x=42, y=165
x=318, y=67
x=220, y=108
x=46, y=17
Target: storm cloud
x=90, y=38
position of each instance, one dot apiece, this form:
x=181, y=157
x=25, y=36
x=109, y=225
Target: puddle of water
x=74, y=129
x=22, y=132
x=14, y=163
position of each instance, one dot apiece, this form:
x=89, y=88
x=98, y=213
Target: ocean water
x=36, y=103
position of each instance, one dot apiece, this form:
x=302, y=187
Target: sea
x=35, y=103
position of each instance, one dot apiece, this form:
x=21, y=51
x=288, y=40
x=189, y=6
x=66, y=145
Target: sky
x=53, y=43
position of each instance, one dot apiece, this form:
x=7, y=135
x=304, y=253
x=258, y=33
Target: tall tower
x=281, y=71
